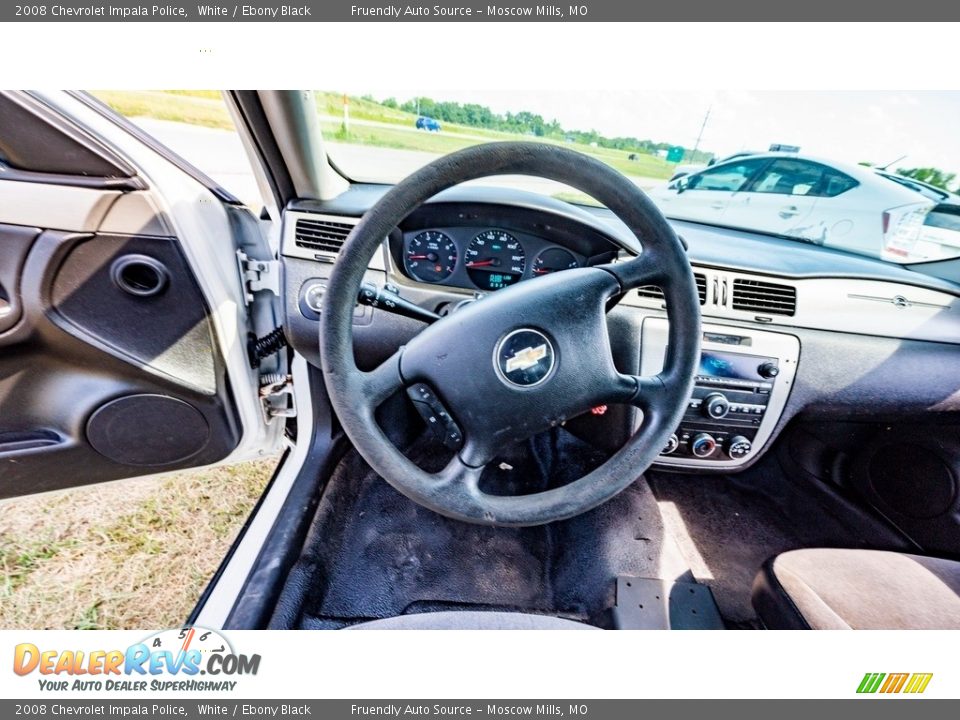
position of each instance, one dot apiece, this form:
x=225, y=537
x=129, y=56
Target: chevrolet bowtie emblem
x=526, y=358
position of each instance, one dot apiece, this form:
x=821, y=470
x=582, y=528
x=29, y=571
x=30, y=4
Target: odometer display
x=494, y=260
x=430, y=256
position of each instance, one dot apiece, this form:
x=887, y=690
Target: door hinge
x=276, y=395
x=258, y=275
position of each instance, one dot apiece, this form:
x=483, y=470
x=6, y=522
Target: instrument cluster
x=482, y=258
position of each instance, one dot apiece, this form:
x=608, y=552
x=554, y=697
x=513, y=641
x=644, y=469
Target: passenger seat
x=822, y=589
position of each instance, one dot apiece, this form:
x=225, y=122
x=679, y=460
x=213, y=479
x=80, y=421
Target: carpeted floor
x=728, y=525
x=372, y=553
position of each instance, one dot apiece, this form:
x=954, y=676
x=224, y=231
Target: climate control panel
x=741, y=388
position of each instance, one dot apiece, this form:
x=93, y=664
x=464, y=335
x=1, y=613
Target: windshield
x=863, y=172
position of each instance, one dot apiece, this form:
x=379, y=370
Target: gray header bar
x=859, y=11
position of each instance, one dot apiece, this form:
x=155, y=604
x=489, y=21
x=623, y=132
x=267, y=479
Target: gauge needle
x=480, y=263
x=417, y=257
x=539, y=271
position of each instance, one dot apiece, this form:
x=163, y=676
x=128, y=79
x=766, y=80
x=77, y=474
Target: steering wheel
x=523, y=359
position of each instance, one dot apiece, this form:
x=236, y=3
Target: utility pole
x=696, y=145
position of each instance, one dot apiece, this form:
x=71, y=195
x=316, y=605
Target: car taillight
x=901, y=229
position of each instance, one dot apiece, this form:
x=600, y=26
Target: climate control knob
x=716, y=406
x=703, y=445
x=738, y=447
x=672, y=444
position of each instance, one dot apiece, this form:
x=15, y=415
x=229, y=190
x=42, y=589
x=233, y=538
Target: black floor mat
x=372, y=553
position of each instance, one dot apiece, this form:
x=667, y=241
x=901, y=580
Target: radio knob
x=703, y=445
x=672, y=444
x=768, y=370
x=739, y=447
x=716, y=406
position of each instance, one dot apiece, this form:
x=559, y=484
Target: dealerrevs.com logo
x=170, y=660
x=892, y=683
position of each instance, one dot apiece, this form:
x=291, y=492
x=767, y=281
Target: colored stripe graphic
x=918, y=682
x=870, y=682
x=893, y=683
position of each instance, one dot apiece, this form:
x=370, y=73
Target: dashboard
x=788, y=328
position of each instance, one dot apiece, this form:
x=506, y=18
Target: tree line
x=528, y=123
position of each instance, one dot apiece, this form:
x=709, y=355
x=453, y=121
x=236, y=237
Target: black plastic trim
x=11, y=174
x=250, y=108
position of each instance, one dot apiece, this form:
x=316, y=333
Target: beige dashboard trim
x=849, y=305
x=54, y=207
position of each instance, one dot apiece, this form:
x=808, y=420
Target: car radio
x=741, y=387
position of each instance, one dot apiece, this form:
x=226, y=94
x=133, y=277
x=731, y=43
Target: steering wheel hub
x=524, y=358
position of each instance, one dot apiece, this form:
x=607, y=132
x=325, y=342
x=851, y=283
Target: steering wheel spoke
x=383, y=381
x=460, y=476
x=644, y=269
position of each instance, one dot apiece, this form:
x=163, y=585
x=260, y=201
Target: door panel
x=15, y=241
x=100, y=381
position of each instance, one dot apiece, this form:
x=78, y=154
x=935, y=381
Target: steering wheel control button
x=703, y=445
x=524, y=358
x=435, y=416
x=739, y=447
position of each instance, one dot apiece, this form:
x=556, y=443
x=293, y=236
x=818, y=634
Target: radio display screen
x=731, y=365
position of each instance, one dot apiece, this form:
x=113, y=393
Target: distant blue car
x=428, y=123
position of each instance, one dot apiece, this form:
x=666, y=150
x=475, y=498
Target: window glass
x=196, y=125
x=789, y=177
x=728, y=177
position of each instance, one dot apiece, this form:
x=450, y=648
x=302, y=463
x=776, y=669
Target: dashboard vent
x=764, y=297
x=654, y=293
x=322, y=235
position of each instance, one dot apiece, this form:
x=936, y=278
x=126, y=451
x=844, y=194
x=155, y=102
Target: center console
x=742, y=385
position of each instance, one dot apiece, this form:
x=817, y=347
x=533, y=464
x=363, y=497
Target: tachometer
x=553, y=260
x=431, y=256
x=494, y=260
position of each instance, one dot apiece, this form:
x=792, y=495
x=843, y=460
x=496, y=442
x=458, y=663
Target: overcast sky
x=855, y=126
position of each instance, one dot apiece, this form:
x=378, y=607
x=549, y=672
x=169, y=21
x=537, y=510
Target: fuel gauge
x=553, y=260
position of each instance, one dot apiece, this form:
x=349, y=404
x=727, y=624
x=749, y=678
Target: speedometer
x=494, y=260
x=431, y=256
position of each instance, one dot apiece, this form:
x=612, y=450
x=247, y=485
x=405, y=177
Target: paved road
x=220, y=154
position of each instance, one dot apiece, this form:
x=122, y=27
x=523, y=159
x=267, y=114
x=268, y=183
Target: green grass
x=206, y=108
x=128, y=554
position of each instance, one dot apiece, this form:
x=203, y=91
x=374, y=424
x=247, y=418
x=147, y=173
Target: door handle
x=717, y=205
x=788, y=211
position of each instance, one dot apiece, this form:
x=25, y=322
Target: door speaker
x=147, y=430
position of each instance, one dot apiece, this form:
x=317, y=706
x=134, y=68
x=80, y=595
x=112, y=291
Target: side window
x=799, y=177
x=790, y=177
x=196, y=125
x=835, y=182
x=728, y=177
